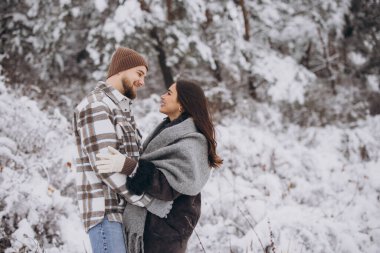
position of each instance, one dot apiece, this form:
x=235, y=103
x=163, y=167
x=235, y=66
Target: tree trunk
x=169, y=10
x=327, y=64
x=166, y=71
x=246, y=19
x=144, y=6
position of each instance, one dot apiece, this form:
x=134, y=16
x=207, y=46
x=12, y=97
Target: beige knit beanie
x=123, y=59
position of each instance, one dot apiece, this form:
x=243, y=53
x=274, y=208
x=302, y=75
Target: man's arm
x=97, y=132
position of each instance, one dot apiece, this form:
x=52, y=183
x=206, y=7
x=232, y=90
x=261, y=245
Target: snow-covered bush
x=321, y=107
x=37, y=197
x=318, y=187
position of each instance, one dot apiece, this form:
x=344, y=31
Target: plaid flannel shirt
x=102, y=119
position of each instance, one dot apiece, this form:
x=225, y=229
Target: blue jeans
x=107, y=237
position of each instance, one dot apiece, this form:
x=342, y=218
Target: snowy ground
x=317, y=188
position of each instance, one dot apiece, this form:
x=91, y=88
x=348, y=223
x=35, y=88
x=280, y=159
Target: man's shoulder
x=95, y=98
x=88, y=101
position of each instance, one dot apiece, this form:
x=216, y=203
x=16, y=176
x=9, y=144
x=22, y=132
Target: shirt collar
x=113, y=93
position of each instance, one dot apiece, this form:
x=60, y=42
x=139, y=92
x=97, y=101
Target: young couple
x=136, y=197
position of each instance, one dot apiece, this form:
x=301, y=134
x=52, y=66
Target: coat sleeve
x=150, y=180
x=97, y=132
x=160, y=188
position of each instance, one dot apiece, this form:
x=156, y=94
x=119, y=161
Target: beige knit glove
x=111, y=162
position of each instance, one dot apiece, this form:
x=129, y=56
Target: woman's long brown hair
x=193, y=100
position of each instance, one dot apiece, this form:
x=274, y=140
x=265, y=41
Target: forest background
x=295, y=96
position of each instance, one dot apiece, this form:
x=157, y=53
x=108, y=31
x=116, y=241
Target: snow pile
x=125, y=20
x=37, y=196
x=288, y=80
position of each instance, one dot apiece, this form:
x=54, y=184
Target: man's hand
x=111, y=162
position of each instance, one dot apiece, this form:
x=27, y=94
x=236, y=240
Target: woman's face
x=169, y=103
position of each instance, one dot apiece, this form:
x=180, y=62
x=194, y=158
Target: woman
x=175, y=166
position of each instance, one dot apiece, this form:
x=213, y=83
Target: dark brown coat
x=171, y=234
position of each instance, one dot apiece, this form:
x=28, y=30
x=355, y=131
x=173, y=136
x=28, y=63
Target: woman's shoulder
x=189, y=128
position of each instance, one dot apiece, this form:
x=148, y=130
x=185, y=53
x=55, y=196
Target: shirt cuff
x=129, y=166
x=134, y=170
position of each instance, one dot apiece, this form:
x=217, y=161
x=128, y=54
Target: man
x=104, y=118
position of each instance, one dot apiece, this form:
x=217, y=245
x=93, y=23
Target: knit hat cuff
x=123, y=59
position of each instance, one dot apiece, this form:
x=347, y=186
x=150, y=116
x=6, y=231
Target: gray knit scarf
x=180, y=152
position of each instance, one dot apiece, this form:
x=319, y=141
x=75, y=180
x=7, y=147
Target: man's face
x=132, y=79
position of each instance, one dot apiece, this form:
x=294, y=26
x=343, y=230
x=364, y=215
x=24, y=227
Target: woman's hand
x=142, y=179
x=111, y=162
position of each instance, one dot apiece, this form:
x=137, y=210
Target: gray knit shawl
x=180, y=152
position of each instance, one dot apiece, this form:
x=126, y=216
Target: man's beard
x=129, y=92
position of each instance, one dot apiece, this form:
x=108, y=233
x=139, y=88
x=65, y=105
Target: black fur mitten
x=142, y=180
